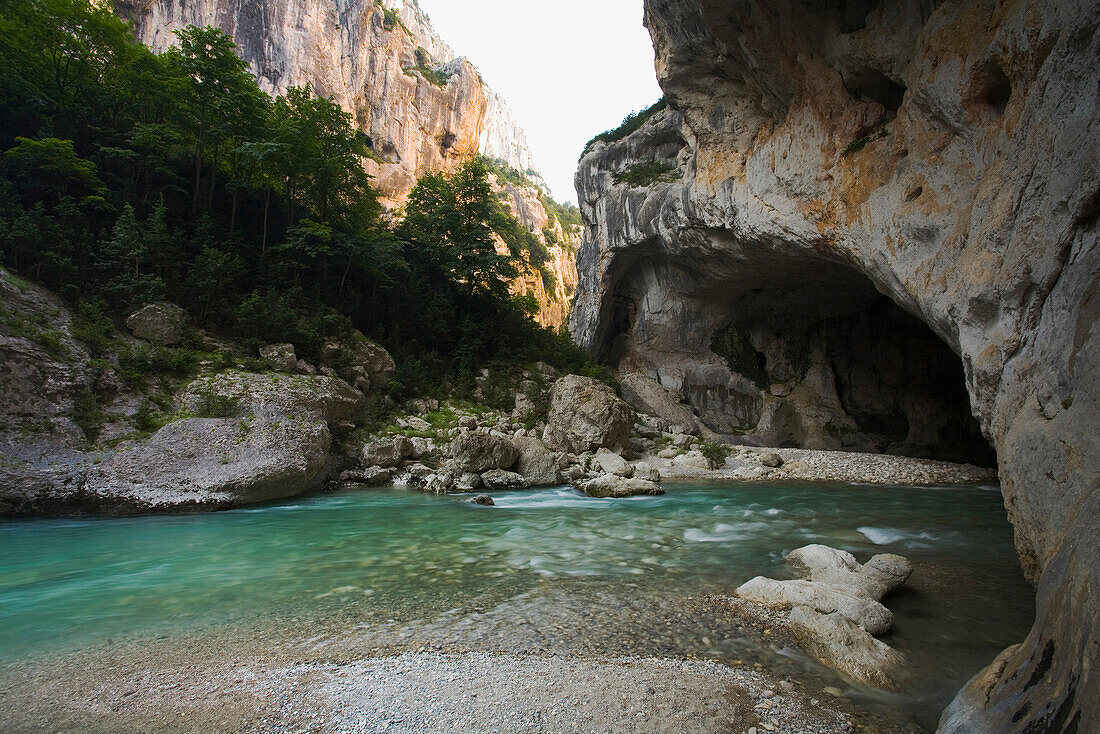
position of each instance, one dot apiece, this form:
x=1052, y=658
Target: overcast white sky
x=570, y=69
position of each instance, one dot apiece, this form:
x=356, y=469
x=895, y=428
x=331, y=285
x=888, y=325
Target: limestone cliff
x=842, y=200
x=371, y=58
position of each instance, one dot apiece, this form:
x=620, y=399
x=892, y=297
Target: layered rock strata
x=817, y=156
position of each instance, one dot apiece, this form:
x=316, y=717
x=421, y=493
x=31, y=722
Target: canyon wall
x=852, y=216
x=377, y=60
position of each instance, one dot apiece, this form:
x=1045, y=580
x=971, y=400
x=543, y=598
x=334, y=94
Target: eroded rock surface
x=271, y=440
x=835, y=611
x=820, y=156
x=480, y=452
x=586, y=415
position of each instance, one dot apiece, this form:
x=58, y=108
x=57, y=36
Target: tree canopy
x=128, y=176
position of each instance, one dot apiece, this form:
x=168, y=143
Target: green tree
x=449, y=224
x=220, y=102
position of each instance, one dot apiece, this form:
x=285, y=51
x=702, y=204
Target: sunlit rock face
x=859, y=194
x=348, y=50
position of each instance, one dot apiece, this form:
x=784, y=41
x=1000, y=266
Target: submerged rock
x=835, y=609
x=484, y=500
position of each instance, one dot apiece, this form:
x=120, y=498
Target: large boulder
x=254, y=437
x=387, y=452
x=840, y=643
x=160, y=323
x=611, y=463
x=537, y=464
x=359, y=361
x=479, y=452
x=586, y=415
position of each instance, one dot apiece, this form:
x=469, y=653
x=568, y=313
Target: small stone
x=483, y=499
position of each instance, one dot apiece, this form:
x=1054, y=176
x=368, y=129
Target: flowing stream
x=546, y=570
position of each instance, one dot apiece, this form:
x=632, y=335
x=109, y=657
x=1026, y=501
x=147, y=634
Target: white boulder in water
x=835, y=609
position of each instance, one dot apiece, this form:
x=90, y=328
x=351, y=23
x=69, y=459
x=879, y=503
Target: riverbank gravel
x=746, y=463
x=477, y=692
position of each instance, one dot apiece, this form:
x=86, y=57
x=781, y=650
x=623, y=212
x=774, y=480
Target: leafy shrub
x=93, y=327
x=214, y=405
x=137, y=364
x=425, y=68
x=148, y=419
x=715, y=453
x=567, y=214
x=88, y=412
x=391, y=19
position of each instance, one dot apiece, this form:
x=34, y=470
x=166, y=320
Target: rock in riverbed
x=265, y=436
x=481, y=452
x=835, y=609
x=610, y=485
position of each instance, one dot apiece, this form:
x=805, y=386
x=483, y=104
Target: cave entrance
x=831, y=363
x=785, y=347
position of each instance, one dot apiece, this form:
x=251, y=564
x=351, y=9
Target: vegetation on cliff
x=128, y=177
x=632, y=122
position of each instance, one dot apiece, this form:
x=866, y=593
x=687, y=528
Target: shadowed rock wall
x=943, y=154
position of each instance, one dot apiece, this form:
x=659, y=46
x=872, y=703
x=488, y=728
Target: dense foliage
x=128, y=177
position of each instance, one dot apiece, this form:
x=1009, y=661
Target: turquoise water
x=355, y=558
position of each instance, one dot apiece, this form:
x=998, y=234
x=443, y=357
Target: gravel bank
x=837, y=466
x=478, y=692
